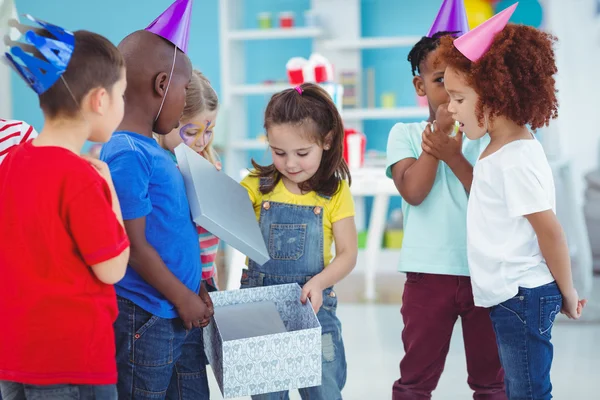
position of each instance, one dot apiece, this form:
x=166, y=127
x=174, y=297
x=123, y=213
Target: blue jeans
x=19, y=391
x=157, y=358
x=523, y=327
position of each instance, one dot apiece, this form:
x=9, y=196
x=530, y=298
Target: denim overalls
x=294, y=237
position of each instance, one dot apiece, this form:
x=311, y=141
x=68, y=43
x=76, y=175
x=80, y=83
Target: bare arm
x=113, y=270
x=463, y=170
x=414, y=177
x=346, y=247
x=116, y=206
x=553, y=245
x=346, y=251
x=146, y=261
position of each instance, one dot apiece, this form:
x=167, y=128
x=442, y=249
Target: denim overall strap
x=294, y=237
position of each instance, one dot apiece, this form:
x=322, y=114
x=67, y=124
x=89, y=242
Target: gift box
x=250, y=358
x=221, y=205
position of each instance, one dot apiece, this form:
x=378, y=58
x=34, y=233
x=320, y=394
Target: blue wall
x=392, y=70
x=115, y=19
x=265, y=59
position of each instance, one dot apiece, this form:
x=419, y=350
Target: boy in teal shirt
x=432, y=169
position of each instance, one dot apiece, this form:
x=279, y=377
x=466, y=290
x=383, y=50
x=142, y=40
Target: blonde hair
x=200, y=97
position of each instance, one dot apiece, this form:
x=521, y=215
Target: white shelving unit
x=371, y=43
x=362, y=114
x=275, y=33
x=257, y=89
x=339, y=39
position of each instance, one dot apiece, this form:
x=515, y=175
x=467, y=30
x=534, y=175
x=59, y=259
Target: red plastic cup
x=362, y=144
x=286, y=20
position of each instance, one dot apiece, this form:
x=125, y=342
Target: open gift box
x=221, y=205
x=263, y=340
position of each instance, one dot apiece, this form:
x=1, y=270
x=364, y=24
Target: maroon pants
x=431, y=304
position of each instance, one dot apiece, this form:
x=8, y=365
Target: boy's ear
x=160, y=83
x=419, y=85
x=97, y=100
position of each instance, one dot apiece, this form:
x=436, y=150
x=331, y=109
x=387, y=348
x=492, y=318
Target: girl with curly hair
x=500, y=79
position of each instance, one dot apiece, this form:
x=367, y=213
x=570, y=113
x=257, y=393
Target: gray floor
x=373, y=345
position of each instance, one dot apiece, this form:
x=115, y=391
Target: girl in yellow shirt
x=303, y=204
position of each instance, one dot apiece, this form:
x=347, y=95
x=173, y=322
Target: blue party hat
x=43, y=56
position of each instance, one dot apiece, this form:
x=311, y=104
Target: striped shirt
x=13, y=133
x=209, y=245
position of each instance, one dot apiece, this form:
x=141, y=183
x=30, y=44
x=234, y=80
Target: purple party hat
x=452, y=17
x=174, y=24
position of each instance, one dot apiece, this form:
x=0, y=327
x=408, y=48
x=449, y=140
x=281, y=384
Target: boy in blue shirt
x=162, y=301
x=433, y=172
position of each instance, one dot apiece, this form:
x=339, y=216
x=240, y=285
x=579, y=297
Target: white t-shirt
x=502, y=247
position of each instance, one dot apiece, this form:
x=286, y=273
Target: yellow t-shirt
x=338, y=207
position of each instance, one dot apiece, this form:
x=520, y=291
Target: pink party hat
x=174, y=24
x=451, y=17
x=475, y=43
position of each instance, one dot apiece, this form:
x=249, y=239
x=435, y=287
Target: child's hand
x=101, y=167
x=443, y=120
x=572, y=305
x=313, y=290
x=218, y=165
x=209, y=304
x=193, y=311
x=440, y=145
x=216, y=276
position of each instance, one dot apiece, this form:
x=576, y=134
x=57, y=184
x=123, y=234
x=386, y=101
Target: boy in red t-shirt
x=63, y=242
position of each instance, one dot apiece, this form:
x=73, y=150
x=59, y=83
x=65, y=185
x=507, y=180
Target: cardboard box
x=268, y=363
x=221, y=205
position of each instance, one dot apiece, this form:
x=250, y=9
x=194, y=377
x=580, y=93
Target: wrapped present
x=317, y=69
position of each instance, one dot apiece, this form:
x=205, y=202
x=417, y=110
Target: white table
x=371, y=181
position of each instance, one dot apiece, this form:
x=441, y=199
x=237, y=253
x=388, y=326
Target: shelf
x=275, y=33
x=257, y=89
x=372, y=43
x=249, y=144
x=360, y=114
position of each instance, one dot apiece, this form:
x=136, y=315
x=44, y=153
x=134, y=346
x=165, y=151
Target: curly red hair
x=514, y=78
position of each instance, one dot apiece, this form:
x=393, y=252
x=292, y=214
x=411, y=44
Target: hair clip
x=299, y=90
